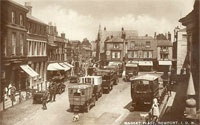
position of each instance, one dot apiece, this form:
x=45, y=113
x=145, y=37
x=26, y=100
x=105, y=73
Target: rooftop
x=164, y=43
x=35, y=19
x=15, y=3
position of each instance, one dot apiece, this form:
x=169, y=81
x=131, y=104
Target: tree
x=161, y=37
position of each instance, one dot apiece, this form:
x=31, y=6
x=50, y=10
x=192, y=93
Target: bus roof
x=131, y=65
x=91, y=77
x=147, y=77
x=79, y=86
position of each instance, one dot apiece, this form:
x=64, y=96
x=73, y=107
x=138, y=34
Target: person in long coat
x=54, y=91
x=44, y=100
x=155, y=110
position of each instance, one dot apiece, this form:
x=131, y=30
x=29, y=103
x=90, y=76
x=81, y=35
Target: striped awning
x=29, y=70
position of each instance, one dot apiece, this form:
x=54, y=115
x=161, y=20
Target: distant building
x=104, y=35
x=164, y=57
x=142, y=49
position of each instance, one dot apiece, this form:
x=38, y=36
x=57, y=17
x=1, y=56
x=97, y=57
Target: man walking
x=44, y=100
x=50, y=92
x=54, y=91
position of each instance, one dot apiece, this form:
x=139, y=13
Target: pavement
x=175, y=109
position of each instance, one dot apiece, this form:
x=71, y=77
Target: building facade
x=191, y=21
x=164, y=57
x=181, y=41
x=14, y=45
x=37, y=49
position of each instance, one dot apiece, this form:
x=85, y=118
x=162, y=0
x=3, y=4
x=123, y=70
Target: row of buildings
x=126, y=45
x=32, y=49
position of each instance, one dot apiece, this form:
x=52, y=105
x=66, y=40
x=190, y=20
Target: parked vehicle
x=91, y=71
x=60, y=88
x=131, y=70
x=74, y=79
x=96, y=81
x=144, y=89
x=37, y=97
x=107, y=79
x=119, y=65
x=59, y=81
x=115, y=73
x=81, y=97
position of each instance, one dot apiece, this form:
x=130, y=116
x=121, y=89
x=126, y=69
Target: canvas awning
x=114, y=63
x=65, y=66
x=29, y=70
x=66, y=63
x=145, y=63
x=54, y=67
x=131, y=65
x=165, y=63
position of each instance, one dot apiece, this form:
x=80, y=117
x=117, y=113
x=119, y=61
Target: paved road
x=110, y=109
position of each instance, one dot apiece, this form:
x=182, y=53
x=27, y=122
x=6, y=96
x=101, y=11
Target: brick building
x=164, y=55
x=14, y=45
x=191, y=21
x=37, y=49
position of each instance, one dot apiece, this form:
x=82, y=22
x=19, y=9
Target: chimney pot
x=28, y=5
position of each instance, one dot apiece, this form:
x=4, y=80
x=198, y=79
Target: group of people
x=9, y=92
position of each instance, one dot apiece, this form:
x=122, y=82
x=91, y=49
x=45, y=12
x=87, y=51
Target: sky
x=80, y=19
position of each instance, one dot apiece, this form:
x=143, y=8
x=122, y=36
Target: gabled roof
x=164, y=43
x=114, y=39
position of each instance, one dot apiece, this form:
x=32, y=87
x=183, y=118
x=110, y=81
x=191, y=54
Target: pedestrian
x=44, y=100
x=13, y=91
x=155, y=110
x=6, y=93
x=170, y=87
x=50, y=92
x=9, y=89
x=54, y=91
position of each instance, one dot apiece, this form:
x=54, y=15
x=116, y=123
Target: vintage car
x=115, y=73
x=74, y=79
x=37, y=97
x=144, y=89
x=107, y=79
x=131, y=69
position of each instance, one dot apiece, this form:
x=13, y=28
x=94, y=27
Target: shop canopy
x=29, y=70
x=65, y=66
x=55, y=67
x=131, y=65
x=66, y=63
x=145, y=63
x=114, y=63
x=165, y=63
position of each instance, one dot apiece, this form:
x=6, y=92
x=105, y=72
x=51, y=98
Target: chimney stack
x=63, y=35
x=104, y=28
x=155, y=36
x=169, y=36
x=29, y=7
